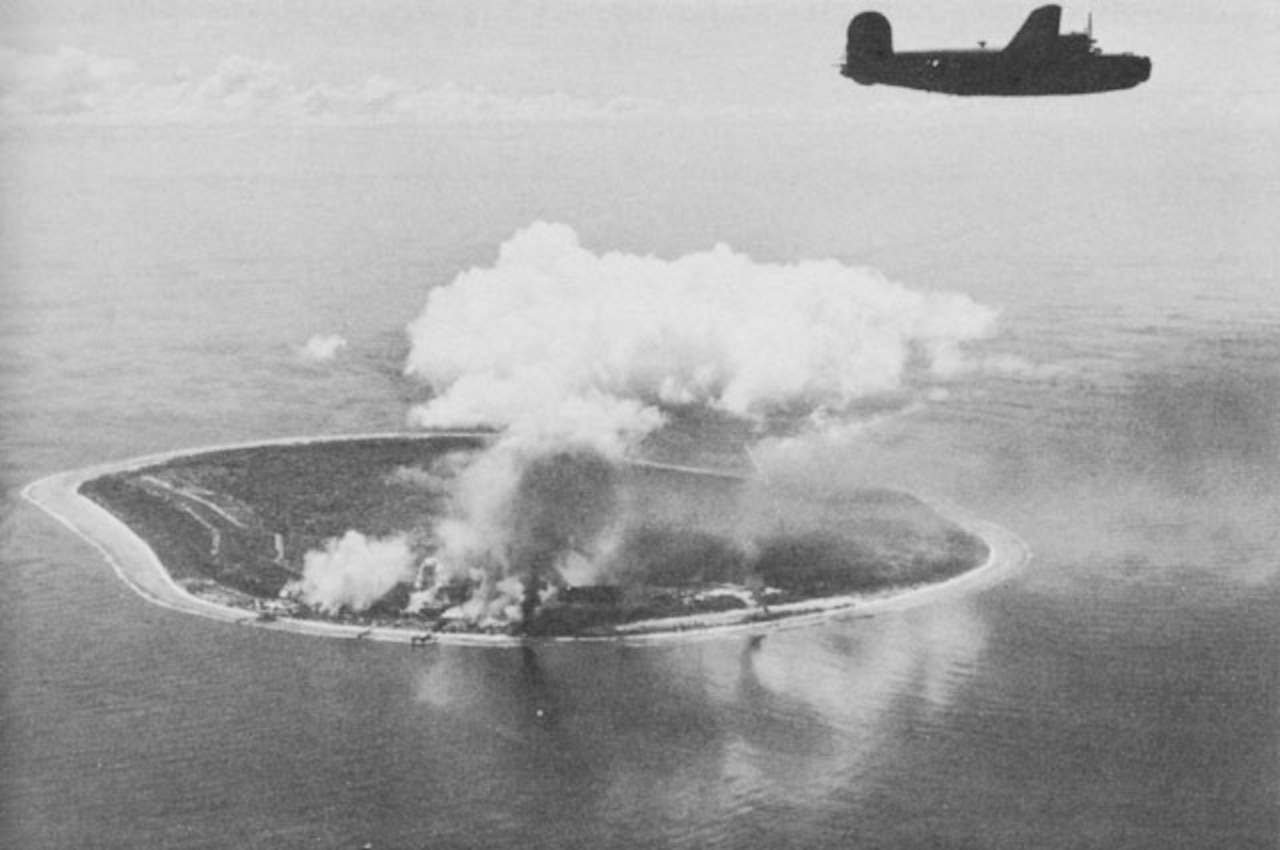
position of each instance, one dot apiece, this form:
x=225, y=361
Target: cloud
x=64, y=83
x=73, y=85
x=323, y=347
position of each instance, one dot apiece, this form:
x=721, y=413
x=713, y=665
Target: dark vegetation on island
x=235, y=525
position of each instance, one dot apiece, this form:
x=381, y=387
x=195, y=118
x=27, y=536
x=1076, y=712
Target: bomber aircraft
x=1038, y=61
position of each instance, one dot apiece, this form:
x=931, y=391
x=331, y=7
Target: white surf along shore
x=137, y=564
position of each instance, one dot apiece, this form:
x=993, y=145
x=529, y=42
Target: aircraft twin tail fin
x=1041, y=28
x=870, y=38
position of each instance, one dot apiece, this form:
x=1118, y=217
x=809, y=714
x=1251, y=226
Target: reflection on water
x=686, y=732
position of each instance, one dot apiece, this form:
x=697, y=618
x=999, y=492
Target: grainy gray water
x=1122, y=692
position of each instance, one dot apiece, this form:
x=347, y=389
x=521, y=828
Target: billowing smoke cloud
x=71, y=84
x=352, y=572
x=526, y=517
x=554, y=332
x=577, y=355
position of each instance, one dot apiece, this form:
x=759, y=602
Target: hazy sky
x=746, y=54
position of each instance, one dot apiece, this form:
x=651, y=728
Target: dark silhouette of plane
x=1037, y=61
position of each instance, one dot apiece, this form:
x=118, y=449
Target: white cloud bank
x=73, y=85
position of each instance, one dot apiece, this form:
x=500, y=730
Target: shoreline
x=135, y=563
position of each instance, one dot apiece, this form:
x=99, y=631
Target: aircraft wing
x=1039, y=31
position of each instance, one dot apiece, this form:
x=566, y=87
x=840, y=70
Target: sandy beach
x=137, y=564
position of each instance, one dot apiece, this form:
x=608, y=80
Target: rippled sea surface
x=1122, y=691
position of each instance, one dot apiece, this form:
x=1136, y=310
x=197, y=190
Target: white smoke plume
x=352, y=572
x=577, y=355
x=525, y=516
x=554, y=332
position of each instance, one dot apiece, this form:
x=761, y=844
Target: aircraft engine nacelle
x=870, y=43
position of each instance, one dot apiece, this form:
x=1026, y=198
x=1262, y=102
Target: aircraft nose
x=1142, y=69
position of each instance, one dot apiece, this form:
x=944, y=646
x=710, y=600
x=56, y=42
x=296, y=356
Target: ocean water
x=160, y=288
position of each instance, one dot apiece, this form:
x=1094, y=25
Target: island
x=678, y=550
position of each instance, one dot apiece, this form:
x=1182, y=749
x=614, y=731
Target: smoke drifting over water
x=1134, y=469
x=1193, y=457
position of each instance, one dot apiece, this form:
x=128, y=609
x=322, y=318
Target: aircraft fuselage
x=1040, y=60
x=992, y=72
